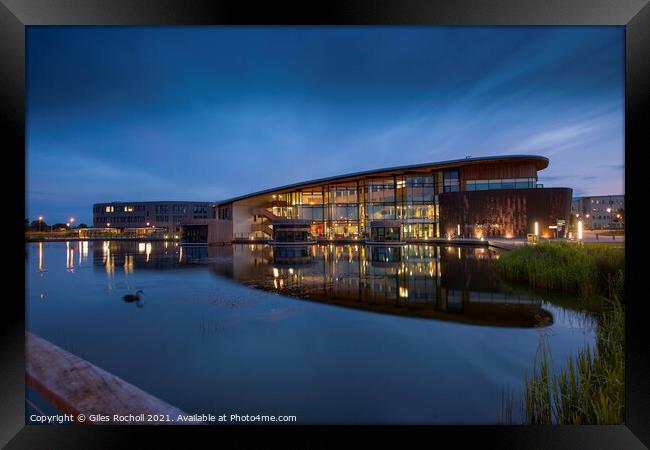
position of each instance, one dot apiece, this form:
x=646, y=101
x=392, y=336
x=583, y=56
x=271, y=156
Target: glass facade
x=385, y=234
x=451, y=181
x=504, y=183
x=345, y=210
x=195, y=234
x=291, y=236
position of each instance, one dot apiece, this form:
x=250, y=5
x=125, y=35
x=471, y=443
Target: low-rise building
x=471, y=197
x=163, y=214
x=598, y=212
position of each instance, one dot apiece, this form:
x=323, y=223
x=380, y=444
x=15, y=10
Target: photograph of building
x=162, y=214
x=377, y=225
x=471, y=197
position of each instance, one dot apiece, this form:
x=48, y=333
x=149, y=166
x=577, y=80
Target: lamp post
x=580, y=231
x=609, y=210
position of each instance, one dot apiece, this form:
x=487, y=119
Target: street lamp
x=579, y=230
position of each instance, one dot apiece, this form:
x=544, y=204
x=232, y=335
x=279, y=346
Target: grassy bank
x=589, y=387
x=588, y=270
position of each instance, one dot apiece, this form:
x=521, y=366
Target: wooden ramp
x=75, y=386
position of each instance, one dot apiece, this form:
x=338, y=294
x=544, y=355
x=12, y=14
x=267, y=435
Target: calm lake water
x=328, y=333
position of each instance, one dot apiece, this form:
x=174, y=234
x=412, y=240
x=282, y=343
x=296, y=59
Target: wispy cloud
x=251, y=108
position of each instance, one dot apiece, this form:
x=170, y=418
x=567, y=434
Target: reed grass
x=589, y=387
x=583, y=269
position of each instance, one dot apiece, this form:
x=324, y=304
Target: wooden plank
x=75, y=386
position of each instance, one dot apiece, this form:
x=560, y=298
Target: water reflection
x=41, y=268
x=199, y=312
x=450, y=282
x=132, y=256
x=429, y=281
x=69, y=257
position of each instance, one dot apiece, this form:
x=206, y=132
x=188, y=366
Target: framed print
x=389, y=218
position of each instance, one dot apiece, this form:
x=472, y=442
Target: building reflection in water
x=41, y=268
x=133, y=256
x=83, y=251
x=128, y=264
x=429, y=281
x=108, y=258
x=451, y=282
x=69, y=256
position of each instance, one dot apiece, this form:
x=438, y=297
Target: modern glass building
x=488, y=196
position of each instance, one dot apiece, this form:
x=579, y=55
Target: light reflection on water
x=223, y=329
x=450, y=283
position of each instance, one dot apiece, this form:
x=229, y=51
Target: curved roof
x=541, y=163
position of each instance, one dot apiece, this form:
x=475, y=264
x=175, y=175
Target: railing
x=265, y=213
x=263, y=227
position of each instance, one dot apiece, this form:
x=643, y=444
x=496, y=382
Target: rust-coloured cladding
x=504, y=212
x=502, y=170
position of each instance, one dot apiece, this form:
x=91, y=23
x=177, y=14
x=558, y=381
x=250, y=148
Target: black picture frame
x=15, y=15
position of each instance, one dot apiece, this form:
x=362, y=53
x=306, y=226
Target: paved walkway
x=509, y=244
x=592, y=236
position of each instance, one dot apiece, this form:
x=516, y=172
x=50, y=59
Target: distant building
x=164, y=214
x=598, y=212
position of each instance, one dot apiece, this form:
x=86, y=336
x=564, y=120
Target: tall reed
x=589, y=388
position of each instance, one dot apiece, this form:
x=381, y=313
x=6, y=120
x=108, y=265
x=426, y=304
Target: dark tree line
x=41, y=225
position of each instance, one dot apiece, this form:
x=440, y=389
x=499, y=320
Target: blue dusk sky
x=207, y=113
